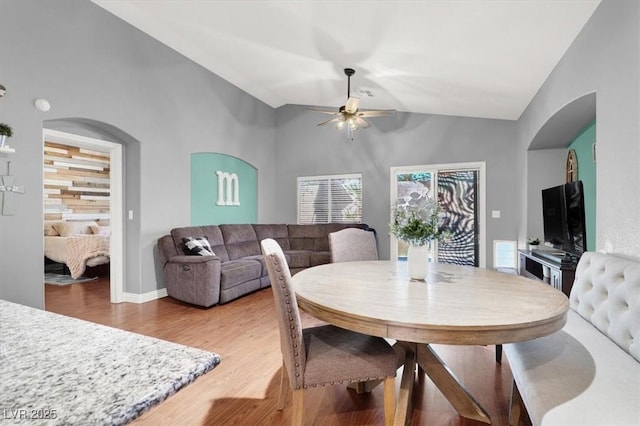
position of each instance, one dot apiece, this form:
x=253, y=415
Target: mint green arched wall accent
x=237, y=207
x=583, y=146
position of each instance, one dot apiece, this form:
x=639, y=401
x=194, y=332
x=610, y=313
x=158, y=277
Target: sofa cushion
x=259, y=258
x=303, y=237
x=229, y=294
x=298, y=258
x=315, y=237
x=236, y=272
x=240, y=241
x=576, y=376
x=198, y=246
x=319, y=258
x=212, y=232
x=280, y=233
x=606, y=292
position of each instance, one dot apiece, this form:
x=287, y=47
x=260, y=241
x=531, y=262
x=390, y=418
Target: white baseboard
x=145, y=297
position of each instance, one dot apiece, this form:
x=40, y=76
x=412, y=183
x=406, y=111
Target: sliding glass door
x=458, y=197
x=459, y=189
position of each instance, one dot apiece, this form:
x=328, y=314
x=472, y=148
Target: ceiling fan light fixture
x=349, y=115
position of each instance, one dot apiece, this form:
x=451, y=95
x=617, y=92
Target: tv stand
x=552, y=267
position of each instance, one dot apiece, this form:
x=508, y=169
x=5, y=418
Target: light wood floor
x=242, y=390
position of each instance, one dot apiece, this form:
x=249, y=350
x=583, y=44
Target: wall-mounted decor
x=5, y=130
x=5, y=133
x=224, y=189
x=228, y=189
x=7, y=190
x=572, y=166
x=583, y=147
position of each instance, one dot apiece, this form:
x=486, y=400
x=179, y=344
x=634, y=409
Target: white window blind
x=330, y=199
x=505, y=254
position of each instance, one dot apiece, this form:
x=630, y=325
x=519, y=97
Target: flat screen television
x=563, y=218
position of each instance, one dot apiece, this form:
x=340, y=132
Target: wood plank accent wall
x=76, y=183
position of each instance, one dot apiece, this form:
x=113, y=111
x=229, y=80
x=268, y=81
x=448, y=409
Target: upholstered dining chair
x=323, y=355
x=352, y=244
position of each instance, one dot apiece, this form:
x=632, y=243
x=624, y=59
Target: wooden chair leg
x=389, y=400
x=297, y=411
x=283, y=388
x=515, y=406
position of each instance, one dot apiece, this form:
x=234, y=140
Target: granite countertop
x=59, y=370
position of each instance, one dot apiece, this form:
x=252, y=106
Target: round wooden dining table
x=457, y=305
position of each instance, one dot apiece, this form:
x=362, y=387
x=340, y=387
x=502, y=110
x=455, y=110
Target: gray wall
x=604, y=58
x=95, y=68
x=403, y=140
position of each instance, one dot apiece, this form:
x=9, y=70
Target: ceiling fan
x=348, y=114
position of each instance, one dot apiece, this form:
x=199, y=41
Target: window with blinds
x=330, y=199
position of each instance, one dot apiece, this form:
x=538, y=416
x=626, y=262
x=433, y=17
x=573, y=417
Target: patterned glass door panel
x=457, y=195
x=417, y=184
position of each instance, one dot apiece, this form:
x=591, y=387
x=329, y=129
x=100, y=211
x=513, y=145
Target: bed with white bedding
x=77, y=244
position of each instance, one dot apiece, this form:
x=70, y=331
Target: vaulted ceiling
x=474, y=58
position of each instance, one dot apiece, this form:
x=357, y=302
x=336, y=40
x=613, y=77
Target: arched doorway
x=125, y=190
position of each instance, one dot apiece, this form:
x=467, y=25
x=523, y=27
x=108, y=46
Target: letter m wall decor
x=224, y=189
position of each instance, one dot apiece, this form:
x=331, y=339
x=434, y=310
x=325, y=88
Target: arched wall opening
x=547, y=153
x=130, y=193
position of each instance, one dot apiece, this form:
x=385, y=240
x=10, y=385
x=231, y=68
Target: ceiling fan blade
x=332, y=120
x=352, y=105
x=376, y=113
x=323, y=111
x=361, y=122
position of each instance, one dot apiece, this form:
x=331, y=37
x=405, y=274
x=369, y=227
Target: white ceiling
x=475, y=58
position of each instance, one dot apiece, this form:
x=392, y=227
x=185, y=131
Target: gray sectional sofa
x=237, y=266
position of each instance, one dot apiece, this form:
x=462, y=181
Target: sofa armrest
x=166, y=249
x=193, y=279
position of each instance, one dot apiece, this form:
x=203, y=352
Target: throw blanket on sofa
x=83, y=247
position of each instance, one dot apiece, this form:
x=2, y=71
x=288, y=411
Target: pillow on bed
x=198, y=246
x=49, y=230
x=100, y=230
x=66, y=229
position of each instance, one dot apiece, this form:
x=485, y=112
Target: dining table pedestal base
x=430, y=363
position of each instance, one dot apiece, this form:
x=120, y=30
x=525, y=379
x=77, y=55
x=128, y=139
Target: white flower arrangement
x=418, y=221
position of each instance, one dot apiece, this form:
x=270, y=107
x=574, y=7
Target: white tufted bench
x=588, y=373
